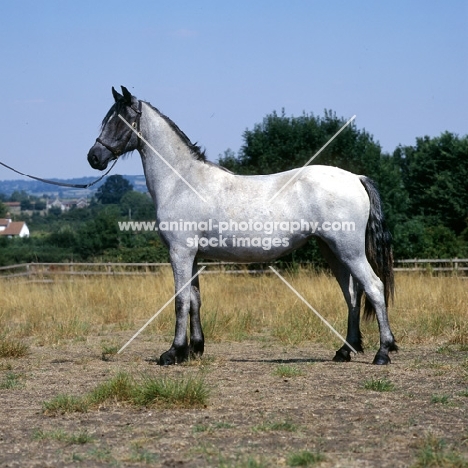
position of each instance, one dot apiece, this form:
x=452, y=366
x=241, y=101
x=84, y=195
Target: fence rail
x=454, y=266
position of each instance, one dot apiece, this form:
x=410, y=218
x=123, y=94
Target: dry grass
x=169, y=392
x=426, y=309
x=12, y=348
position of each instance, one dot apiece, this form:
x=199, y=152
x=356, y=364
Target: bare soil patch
x=255, y=416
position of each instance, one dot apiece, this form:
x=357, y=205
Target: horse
x=205, y=211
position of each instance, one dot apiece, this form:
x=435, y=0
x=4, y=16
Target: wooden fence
x=437, y=265
x=454, y=266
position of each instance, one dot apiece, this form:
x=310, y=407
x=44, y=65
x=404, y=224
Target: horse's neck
x=166, y=158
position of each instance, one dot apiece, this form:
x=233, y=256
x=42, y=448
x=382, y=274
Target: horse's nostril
x=93, y=159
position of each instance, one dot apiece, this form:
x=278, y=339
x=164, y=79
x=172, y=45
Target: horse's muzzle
x=99, y=157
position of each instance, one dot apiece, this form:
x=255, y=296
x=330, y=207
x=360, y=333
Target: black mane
x=195, y=149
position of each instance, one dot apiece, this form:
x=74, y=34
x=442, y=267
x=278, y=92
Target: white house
x=11, y=228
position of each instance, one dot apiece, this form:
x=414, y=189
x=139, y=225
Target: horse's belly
x=248, y=248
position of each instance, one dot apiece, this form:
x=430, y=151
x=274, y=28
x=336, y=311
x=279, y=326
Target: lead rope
x=135, y=125
x=61, y=184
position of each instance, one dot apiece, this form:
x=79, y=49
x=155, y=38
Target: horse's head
x=116, y=136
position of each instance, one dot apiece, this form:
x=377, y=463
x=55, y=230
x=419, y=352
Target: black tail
x=378, y=245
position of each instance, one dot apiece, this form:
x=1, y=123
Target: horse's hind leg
x=197, y=340
x=352, y=293
x=374, y=289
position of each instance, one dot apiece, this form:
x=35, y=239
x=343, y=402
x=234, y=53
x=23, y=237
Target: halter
x=118, y=150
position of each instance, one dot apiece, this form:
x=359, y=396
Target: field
x=265, y=394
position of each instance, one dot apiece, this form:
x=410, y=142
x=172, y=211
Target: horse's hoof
x=381, y=359
x=196, y=349
x=167, y=358
x=393, y=347
x=174, y=356
x=342, y=355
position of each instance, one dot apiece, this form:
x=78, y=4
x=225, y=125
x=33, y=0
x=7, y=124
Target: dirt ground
x=254, y=417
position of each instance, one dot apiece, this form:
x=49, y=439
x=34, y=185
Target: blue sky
x=218, y=67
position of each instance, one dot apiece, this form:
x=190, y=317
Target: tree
x=40, y=205
x=99, y=233
x=414, y=238
x=281, y=143
x=26, y=204
x=17, y=196
x=3, y=210
x=137, y=206
x=112, y=191
x=435, y=175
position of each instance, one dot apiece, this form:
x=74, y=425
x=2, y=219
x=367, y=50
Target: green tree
x=137, y=206
x=40, y=205
x=435, y=175
x=99, y=234
x=413, y=238
x=281, y=143
x=26, y=205
x=17, y=196
x=3, y=210
x=112, y=191
x=64, y=237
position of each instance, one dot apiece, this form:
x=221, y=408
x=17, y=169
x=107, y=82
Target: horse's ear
x=116, y=95
x=127, y=95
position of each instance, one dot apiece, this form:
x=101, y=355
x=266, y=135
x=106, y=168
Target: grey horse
x=204, y=210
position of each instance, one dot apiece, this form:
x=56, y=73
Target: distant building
x=82, y=203
x=67, y=204
x=14, y=207
x=11, y=228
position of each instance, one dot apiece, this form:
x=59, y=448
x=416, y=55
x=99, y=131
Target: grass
x=305, y=458
x=427, y=309
x=201, y=428
x=211, y=428
x=75, y=438
x=102, y=454
x=286, y=370
x=108, y=351
x=249, y=462
x=189, y=392
x=10, y=381
x=141, y=455
x=12, y=348
x=287, y=426
x=379, y=385
x=434, y=452
x=442, y=399
x=63, y=403
x=183, y=392
x=120, y=388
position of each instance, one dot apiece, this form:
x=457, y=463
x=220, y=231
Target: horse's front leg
x=179, y=351
x=197, y=339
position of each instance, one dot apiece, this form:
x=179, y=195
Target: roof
x=13, y=228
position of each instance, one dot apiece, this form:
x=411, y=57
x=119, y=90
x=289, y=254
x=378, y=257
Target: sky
x=217, y=68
